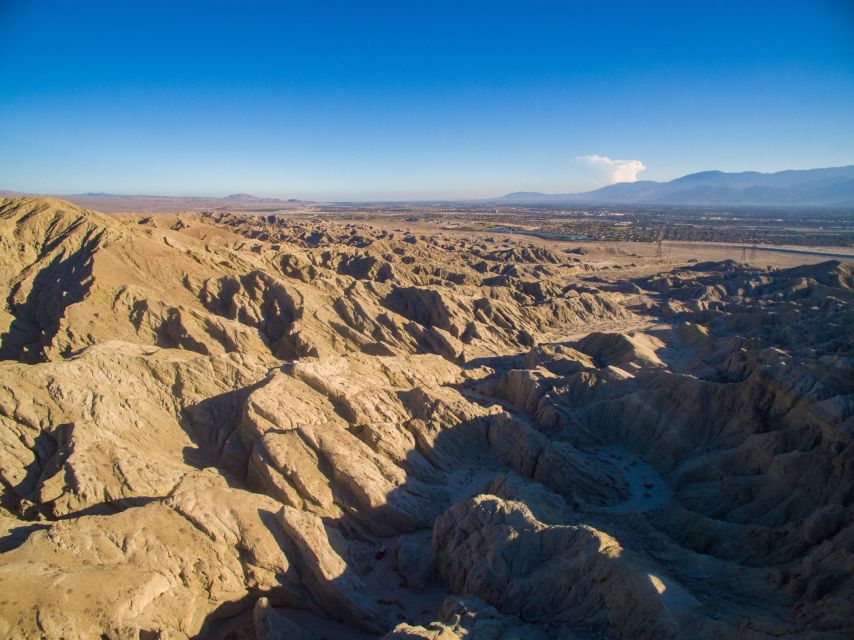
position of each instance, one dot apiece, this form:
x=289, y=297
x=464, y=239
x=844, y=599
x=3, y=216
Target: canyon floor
x=229, y=425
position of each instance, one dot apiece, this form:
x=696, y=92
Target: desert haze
x=339, y=423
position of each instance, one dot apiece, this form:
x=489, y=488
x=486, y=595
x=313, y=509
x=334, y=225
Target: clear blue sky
x=357, y=100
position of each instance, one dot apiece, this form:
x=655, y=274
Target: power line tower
x=753, y=250
x=658, y=243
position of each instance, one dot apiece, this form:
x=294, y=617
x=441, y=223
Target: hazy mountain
x=833, y=185
x=246, y=197
x=114, y=202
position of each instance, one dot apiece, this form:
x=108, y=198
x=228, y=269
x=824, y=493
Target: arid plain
x=226, y=424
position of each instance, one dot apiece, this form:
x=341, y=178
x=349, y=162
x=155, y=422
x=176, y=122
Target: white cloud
x=611, y=171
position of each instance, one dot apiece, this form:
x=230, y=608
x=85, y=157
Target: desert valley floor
x=224, y=425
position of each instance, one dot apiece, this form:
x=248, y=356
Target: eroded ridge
x=233, y=426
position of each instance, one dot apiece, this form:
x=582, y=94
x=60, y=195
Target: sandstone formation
x=235, y=426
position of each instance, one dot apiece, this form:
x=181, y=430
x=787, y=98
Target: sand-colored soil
x=223, y=425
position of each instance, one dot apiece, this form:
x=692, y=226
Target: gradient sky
x=396, y=100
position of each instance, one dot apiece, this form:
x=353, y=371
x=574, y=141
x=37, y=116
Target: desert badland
x=225, y=424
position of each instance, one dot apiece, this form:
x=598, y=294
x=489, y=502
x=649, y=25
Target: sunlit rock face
x=233, y=426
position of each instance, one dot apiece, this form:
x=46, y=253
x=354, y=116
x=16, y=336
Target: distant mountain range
x=830, y=186
x=245, y=197
x=234, y=197
x=115, y=202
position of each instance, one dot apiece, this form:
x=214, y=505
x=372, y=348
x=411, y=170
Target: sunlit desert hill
x=224, y=425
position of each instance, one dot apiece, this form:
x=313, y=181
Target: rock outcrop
x=237, y=426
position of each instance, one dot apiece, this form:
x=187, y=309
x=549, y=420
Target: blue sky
x=396, y=100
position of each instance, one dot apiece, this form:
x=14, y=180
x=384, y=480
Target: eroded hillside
x=233, y=426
